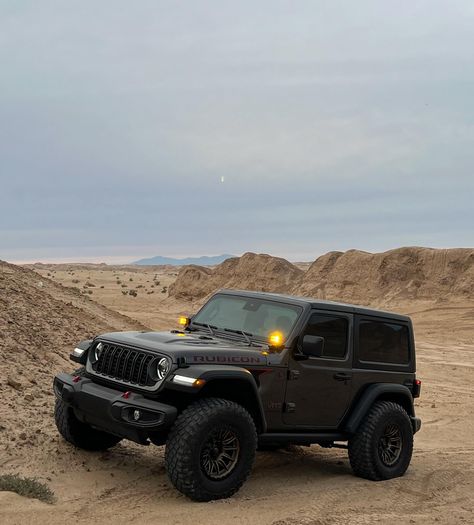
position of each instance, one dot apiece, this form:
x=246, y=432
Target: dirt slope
x=250, y=272
x=379, y=279
x=40, y=321
x=391, y=277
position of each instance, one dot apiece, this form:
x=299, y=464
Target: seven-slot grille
x=124, y=364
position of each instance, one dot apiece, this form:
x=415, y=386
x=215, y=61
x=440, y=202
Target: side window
x=334, y=331
x=383, y=342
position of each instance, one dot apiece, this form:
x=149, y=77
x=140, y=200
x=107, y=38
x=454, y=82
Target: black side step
x=302, y=438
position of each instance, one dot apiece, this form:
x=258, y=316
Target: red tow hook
x=126, y=394
x=76, y=379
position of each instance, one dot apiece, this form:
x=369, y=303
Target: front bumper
x=107, y=409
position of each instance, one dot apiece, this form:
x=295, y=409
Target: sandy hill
x=250, y=272
x=392, y=277
x=40, y=321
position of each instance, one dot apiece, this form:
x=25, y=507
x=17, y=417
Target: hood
x=197, y=348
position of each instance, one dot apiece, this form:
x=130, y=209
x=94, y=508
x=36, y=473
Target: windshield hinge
x=293, y=374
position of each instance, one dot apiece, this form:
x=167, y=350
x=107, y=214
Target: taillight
x=416, y=388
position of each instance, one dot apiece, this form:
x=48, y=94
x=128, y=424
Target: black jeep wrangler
x=249, y=370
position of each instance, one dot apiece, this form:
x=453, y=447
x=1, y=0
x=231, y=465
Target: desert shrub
x=124, y=286
x=102, y=286
x=164, y=289
x=89, y=284
x=125, y=292
x=133, y=293
x=28, y=487
x=75, y=281
x=130, y=279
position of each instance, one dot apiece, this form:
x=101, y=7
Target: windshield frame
x=233, y=334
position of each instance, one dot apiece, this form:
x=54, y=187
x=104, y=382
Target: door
x=319, y=388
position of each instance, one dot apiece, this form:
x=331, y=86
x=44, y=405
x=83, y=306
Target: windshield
x=255, y=317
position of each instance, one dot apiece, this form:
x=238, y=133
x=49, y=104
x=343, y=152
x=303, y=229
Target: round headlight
x=162, y=368
x=97, y=351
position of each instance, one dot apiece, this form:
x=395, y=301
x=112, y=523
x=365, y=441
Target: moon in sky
x=222, y=178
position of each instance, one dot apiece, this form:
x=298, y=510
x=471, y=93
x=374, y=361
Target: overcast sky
x=335, y=125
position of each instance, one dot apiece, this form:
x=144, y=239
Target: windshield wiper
x=247, y=335
x=208, y=326
x=212, y=330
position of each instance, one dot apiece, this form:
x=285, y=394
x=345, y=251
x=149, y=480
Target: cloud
x=334, y=126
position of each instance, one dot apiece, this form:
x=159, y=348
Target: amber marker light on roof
x=275, y=339
x=184, y=321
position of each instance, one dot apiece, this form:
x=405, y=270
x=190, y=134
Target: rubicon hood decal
x=228, y=359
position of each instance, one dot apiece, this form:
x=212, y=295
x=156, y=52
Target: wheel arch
x=241, y=389
x=378, y=392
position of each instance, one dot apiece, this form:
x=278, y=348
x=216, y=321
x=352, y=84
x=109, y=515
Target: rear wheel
x=383, y=445
x=78, y=433
x=211, y=449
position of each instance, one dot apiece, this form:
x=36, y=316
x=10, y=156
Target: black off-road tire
x=366, y=446
x=78, y=433
x=187, y=443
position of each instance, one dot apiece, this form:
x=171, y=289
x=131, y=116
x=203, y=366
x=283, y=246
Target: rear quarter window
x=383, y=342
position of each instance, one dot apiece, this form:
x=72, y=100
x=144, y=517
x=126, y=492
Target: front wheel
x=383, y=444
x=211, y=449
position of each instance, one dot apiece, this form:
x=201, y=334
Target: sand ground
x=301, y=485
x=111, y=286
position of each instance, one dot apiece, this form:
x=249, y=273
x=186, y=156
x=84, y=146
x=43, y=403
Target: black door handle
x=341, y=376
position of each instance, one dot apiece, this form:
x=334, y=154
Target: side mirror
x=312, y=345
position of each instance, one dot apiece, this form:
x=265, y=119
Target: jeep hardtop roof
x=317, y=303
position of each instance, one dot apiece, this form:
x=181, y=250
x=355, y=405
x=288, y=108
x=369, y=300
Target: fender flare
x=368, y=398
x=214, y=373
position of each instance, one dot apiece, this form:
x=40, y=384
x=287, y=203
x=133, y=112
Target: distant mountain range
x=202, y=261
